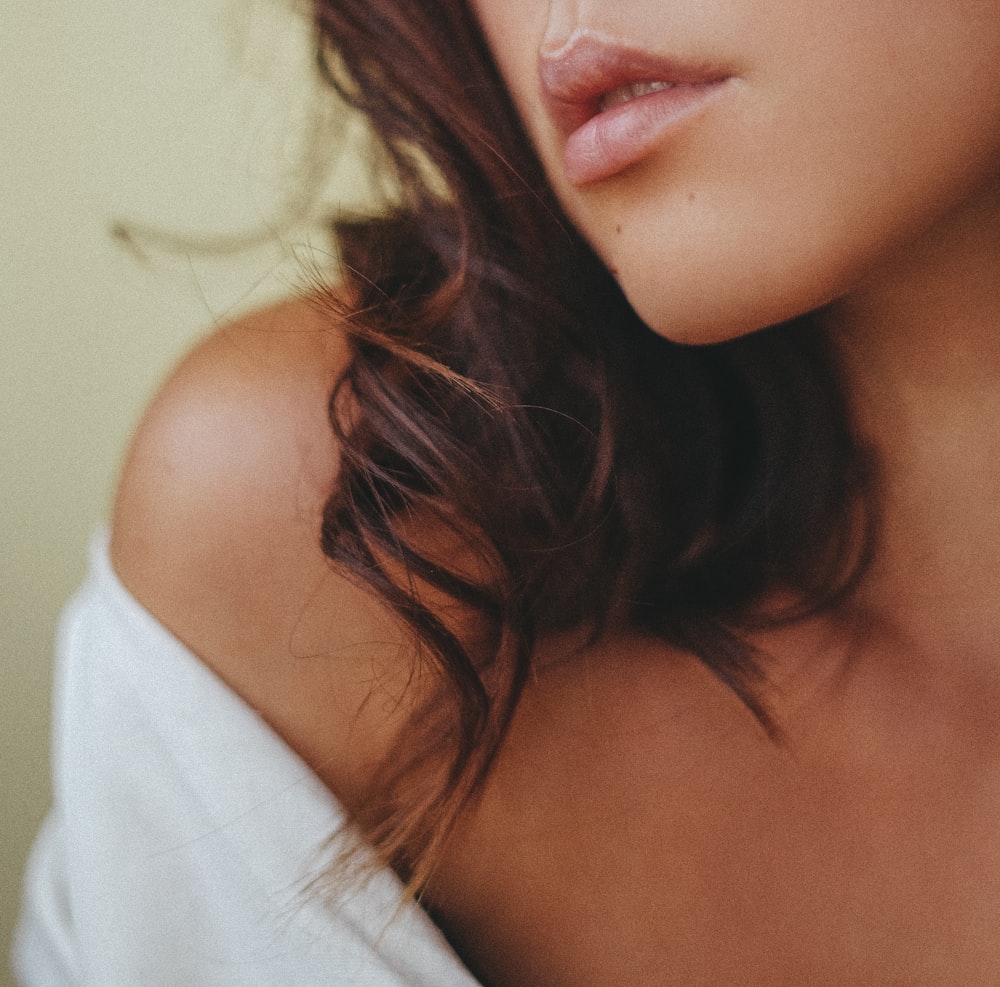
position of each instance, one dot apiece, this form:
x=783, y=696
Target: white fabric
x=185, y=833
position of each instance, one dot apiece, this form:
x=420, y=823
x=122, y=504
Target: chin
x=706, y=325
x=714, y=305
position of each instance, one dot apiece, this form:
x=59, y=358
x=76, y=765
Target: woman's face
x=797, y=145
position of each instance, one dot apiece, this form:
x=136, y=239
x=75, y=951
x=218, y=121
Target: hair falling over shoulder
x=503, y=395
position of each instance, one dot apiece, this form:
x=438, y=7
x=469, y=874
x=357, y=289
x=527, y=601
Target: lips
x=614, y=104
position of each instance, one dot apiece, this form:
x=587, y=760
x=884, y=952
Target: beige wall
x=187, y=116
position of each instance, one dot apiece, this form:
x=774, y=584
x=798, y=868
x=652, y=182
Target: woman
x=638, y=661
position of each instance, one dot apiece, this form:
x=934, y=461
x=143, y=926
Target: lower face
x=839, y=134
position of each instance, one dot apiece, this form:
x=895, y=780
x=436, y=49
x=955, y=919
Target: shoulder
x=217, y=523
x=231, y=460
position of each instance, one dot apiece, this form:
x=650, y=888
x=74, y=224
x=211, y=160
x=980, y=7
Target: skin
x=639, y=827
x=834, y=146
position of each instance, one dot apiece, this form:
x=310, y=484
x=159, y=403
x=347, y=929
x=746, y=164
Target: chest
x=629, y=847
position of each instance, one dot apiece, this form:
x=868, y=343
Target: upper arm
x=216, y=532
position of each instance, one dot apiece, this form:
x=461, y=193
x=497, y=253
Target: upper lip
x=576, y=75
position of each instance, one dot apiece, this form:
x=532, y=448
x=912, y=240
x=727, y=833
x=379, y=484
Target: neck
x=920, y=344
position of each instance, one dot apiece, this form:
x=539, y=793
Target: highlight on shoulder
x=232, y=453
x=216, y=532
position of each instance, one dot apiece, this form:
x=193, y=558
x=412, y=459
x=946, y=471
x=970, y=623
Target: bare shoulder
x=230, y=461
x=217, y=523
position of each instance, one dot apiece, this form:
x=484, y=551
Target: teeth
x=633, y=90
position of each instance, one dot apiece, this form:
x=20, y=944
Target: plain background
x=192, y=117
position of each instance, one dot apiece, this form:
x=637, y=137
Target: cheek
x=514, y=30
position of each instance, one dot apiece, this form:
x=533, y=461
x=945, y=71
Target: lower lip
x=623, y=135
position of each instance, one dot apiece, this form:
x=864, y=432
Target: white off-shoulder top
x=185, y=836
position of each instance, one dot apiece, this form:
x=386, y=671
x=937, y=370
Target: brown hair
x=503, y=390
